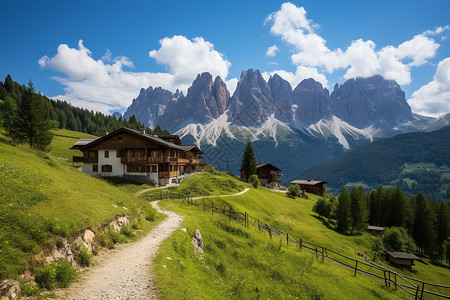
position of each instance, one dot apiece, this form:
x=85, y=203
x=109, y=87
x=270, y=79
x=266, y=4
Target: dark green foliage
x=377, y=248
x=67, y=116
x=397, y=239
x=248, y=165
x=442, y=227
x=294, y=191
x=255, y=181
x=325, y=207
x=423, y=230
x=359, y=210
x=383, y=161
x=343, y=212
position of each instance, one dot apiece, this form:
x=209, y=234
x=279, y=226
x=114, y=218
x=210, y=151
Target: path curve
x=124, y=272
x=219, y=196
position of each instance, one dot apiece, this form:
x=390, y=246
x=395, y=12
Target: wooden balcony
x=155, y=159
x=136, y=160
x=183, y=161
x=78, y=159
x=195, y=161
x=90, y=160
x=167, y=174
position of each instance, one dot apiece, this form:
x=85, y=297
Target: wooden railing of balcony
x=195, y=161
x=90, y=160
x=78, y=159
x=159, y=159
x=167, y=174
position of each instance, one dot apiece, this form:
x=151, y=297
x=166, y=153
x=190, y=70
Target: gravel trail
x=124, y=272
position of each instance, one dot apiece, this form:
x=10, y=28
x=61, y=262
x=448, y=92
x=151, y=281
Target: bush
x=65, y=273
x=116, y=237
x=397, y=239
x=255, y=181
x=59, y=273
x=325, y=207
x=127, y=231
x=85, y=257
x=294, y=191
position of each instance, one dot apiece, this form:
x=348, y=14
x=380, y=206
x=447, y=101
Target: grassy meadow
x=243, y=263
x=44, y=199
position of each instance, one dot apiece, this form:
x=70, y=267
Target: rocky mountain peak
x=312, y=101
x=281, y=91
x=365, y=101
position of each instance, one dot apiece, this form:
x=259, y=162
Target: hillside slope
x=417, y=162
x=44, y=199
x=244, y=263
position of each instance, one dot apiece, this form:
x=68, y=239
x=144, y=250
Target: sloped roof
x=153, y=138
x=308, y=181
x=261, y=164
x=82, y=142
x=402, y=255
x=376, y=228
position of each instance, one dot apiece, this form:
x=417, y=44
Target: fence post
x=417, y=292
x=356, y=267
x=423, y=287
x=323, y=255
x=395, y=280
x=259, y=228
x=287, y=240
x=230, y=212
x=389, y=282
x=245, y=219
x=300, y=244
x=384, y=274
x=270, y=231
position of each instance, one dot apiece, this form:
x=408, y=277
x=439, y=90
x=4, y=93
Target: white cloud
x=301, y=73
x=187, y=58
x=272, y=51
x=433, y=99
x=360, y=59
x=106, y=85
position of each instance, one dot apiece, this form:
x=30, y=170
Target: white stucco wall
x=117, y=166
x=87, y=168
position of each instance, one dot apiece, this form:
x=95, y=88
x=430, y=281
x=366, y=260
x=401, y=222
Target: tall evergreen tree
x=343, y=212
x=423, y=233
x=442, y=227
x=359, y=210
x=33, y=123
x=248, y=165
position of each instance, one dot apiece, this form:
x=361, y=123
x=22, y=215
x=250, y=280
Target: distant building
x=312, y=186
x=376, y=230
x=401, y=258
x=268, y=174
x=158, y=160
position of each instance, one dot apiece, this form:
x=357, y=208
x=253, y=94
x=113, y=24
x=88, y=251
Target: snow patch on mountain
x=210, y=132
x=269, y=129
x=337, y=127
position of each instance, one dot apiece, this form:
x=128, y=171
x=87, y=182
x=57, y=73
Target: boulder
x=10, y=290
x=197, y=241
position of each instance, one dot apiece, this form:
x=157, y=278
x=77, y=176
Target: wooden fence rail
x=367, y=267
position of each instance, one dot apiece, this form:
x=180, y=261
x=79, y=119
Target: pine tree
x=442, y=227
x=423, y=233
x=33, y=124
x=343, y=212
x=248, y=165
x=359, y=212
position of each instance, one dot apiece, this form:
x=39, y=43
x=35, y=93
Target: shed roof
x=402, y=255
x=308, y=181
x=261, y=164
x=375, y=228
x=82, y=142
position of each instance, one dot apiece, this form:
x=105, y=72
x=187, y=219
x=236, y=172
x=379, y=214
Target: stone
x=197, y=241
x=85, y=240
x=119, y=222
x=10, y=290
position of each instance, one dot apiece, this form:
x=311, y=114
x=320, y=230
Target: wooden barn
x=312, y=186
x=401, y=258
x=376, y=230
x=268, y=174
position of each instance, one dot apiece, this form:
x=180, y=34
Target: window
x=154, y=169
x=106, y=154
x=106, y=168
x=95, y=168
x=120, y=138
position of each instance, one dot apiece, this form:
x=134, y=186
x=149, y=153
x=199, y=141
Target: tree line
x=28, y=116
x=412, y=223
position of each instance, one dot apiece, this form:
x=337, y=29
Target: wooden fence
x=412, y=286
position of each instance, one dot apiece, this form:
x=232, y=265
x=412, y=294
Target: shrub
x=116, y=237
x=294, y=191
x=397, y=239
x=255, y=181
x=85, y=257
x=127, y=231
x=65, y=273
x=46, y=276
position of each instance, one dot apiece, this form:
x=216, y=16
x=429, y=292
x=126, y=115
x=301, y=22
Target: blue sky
x=98, y=54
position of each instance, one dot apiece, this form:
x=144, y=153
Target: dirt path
x=124, y=272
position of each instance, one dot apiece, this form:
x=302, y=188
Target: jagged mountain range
x=294, y=128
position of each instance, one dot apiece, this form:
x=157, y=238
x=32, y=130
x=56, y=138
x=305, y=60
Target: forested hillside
x=416, y=162
x=64, y=115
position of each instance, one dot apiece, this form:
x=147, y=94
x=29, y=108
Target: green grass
x=43, y=199
x=241, y=263
x=63, y=139
x=207, y=184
